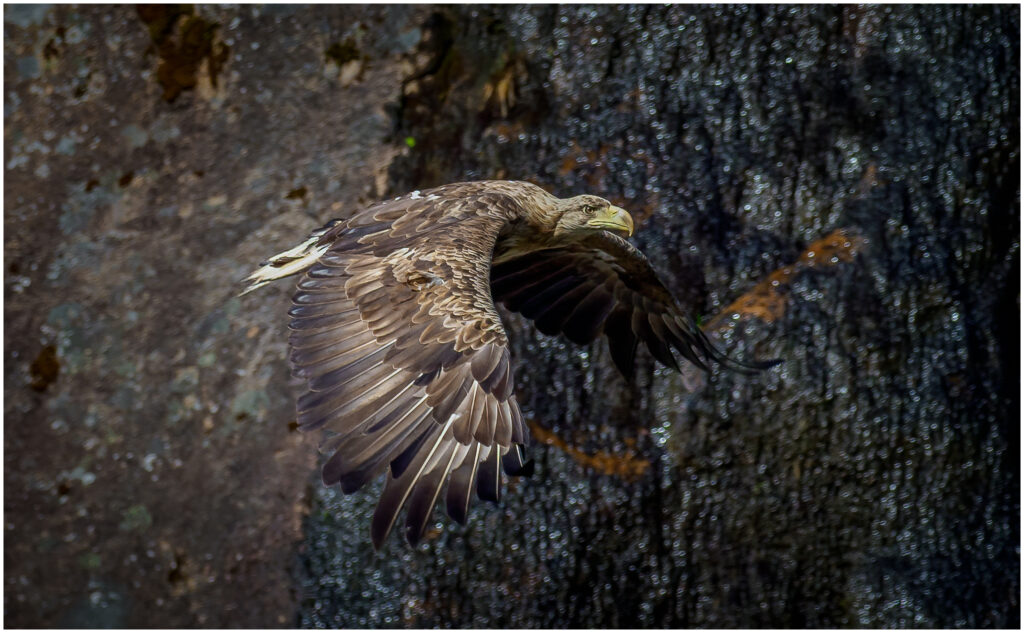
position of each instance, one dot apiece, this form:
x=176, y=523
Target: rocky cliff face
x=838, y=187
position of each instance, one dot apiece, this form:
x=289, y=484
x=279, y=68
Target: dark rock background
x=836, y=187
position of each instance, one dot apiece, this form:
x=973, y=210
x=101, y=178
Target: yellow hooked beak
x=612, y=219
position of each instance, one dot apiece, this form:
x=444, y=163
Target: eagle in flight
x=394, y=330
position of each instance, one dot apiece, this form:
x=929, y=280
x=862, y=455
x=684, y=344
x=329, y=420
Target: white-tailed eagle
x=395, y=331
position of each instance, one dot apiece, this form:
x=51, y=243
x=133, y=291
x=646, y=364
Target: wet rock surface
x=836, y=187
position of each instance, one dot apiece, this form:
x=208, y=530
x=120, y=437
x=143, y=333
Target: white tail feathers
x=294, y=260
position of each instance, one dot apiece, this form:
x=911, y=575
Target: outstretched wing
x=602, y=284
x=406, y=359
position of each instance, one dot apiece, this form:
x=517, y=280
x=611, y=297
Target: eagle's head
x=590, y=213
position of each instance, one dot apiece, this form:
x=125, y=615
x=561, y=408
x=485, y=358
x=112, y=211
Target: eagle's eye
x=590, y=209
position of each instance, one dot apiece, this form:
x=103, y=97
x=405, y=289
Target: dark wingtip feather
x=457, y=510
x=662, y=353
x=749, y=367
x=622, y=342
x=528, y=469
x=514, y=465
x=461, y=485
x=488, y=478
x=421, y=505
x=623, y=351
x=455, y=506
x=380, y=526
x=743, y=367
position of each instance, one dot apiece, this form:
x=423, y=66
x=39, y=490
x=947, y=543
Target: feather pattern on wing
x=406, y=360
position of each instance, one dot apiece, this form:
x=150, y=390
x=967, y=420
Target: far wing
x=603, y=284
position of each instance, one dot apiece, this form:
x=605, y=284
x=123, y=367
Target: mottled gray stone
x=153, y=480
x=26, y=15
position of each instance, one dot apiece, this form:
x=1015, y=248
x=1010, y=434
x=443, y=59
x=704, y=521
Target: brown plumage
x=395, y=331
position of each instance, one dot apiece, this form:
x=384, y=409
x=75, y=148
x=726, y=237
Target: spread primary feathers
x=395, y=331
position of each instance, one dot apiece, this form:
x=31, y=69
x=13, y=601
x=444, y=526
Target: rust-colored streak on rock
x=500, y=90
x=627, y=466
x=839, y=246
x=767, y=300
